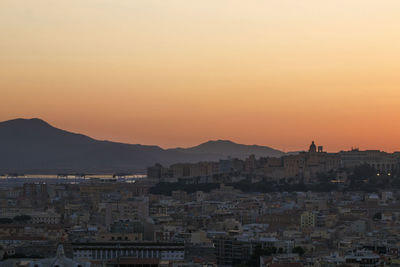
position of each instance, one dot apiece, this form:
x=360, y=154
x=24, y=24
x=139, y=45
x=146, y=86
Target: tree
x=361, y=173
x=323, y=177
x=22, y=218
x=377, y=216
x=299, y=250
x=364, y=171
x=258, y=252
x=5, y=221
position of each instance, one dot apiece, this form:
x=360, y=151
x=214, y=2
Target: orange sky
x=178, y=72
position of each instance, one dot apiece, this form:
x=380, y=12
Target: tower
x=313, y=148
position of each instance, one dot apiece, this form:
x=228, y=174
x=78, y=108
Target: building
x=379, y=160
x=362, y=258
x=307, y=220
x=141, y=250
x=59, y=261
x=231, y=252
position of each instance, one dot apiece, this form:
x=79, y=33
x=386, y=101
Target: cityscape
x=199, y=133
x=312, y=208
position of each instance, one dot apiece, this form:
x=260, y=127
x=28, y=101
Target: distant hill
x=34, y=146
x=225, y=148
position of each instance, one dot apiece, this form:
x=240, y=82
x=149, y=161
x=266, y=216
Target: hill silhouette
x=34, y=146
x=226, y=148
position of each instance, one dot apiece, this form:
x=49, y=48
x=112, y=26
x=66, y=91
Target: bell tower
x=313, y=148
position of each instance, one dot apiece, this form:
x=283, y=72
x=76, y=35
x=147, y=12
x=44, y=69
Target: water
x=69, y=179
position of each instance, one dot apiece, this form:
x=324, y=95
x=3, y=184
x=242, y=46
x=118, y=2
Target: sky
x=181, y=72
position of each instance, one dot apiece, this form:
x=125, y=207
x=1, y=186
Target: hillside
x=34, y=146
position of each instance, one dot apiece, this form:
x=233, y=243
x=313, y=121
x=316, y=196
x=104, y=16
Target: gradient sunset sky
x=180, y=72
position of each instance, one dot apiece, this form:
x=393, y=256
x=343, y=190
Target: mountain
x=225, y=148
x=34, y=146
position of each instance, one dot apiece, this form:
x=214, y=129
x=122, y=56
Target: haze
x=177, y=73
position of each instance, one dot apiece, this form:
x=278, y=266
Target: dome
x=313, y=147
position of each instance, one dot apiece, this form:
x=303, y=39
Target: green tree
x=22, y=218
x=299, y=250
x=377, y=216
x=5, y=221
x=360, y=174
x=258, y=252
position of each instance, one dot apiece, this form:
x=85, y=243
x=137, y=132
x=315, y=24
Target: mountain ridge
x=35, y=146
